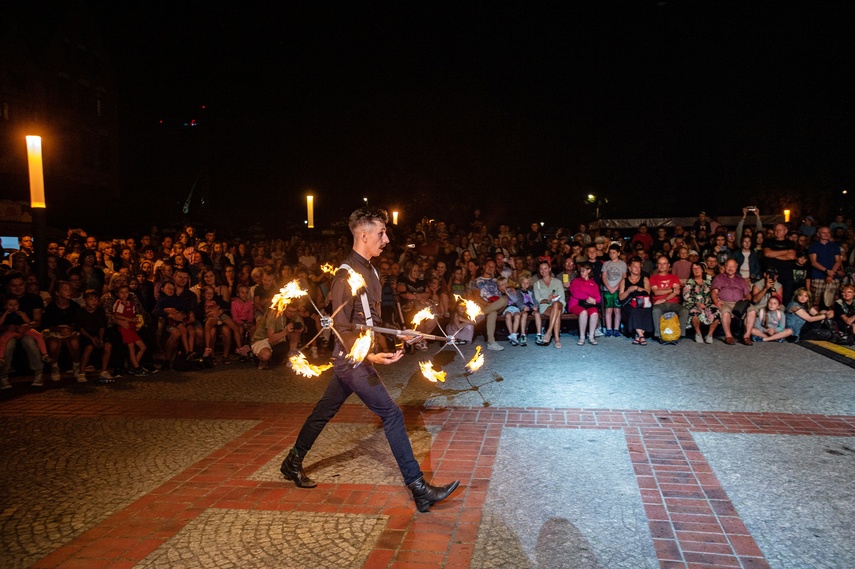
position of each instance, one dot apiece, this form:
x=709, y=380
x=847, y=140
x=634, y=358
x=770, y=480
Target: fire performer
x=368, y=226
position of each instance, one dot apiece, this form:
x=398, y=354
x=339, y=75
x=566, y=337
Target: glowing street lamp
x=310, y=206
x=786, y=216
x=37, y=177
x=394, y=218
x=37, y=200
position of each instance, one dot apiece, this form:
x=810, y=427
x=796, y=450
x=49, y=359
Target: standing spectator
x=826, y=260
x=748, y=260
x=779, y=254
x=614, y=271
x=643, y=237
x=124, y=316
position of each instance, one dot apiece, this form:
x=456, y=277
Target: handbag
x=640, y=301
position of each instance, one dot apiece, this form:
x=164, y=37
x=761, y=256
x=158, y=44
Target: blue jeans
x=367, y=385
x=33, y=355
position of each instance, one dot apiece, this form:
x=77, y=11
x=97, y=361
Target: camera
x=298, y=325
x=751, y=208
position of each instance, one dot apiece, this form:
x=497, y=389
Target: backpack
x=669, y=327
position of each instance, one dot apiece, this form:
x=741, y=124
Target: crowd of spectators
x=139, y=304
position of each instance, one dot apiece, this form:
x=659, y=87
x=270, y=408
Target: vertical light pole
x=786, y=216
x=37, y=201
x=310, y=207
x=394, y=218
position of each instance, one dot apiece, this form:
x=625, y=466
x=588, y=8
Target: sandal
x=642, y=342
x=581, y=342
x=558, y=344
x=636, y=341
x=541, y=342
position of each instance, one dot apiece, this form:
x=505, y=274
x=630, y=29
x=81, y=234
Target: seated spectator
x=460, y=327
x=58, y=329
x=697, y=297
x=771, y=323
x=32, y=306
x=415, y=297
x=437, y=298
x=14, y=325
x=242, y=314
x=212, y=312
x=91, y=277
x=844, y=311
x=491, y=301
x=728, y=289
x=802, y=317
x=530, y=307
x=179, y=317
x=512, y=311
x=665, y=289
x=263, y=293
x=90, y=323
x=568, y=274
x=682, y=267
x=582, y=300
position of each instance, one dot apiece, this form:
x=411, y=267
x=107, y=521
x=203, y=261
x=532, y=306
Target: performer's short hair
x=366, y=216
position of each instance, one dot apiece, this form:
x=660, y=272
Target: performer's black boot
x=426, y=495
x=292, y=469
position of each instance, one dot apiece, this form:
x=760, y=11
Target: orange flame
x=476, y=362
x=430, y=373
x=327, y=268
x=355, y=281
x=301, y=365
x=422, y=315
x=360, y=347
x=472, y=309
x=286, y=294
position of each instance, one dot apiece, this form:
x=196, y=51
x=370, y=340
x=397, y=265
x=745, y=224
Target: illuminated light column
x=786, y=216
x=37, y=201
x=310, y=206
x=394, y=218
x=37, y=177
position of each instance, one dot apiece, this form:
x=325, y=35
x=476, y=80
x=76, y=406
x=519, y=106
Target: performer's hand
x=385, y=357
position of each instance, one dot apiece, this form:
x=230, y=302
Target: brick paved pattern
x=240, y=539
x=223, y=480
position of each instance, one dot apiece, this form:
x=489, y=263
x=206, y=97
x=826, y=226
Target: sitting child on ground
x=771, y=324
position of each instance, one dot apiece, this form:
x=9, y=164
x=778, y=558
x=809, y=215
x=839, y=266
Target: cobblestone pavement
x=609, y=456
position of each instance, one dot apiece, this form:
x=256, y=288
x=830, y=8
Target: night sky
x=664, y=108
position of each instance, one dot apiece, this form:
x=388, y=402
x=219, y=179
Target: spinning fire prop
x=363, y=343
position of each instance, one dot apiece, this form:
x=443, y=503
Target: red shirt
x=665, y=281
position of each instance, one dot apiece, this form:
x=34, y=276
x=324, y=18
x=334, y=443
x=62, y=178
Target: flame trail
x=472, y=309
x=476, y=362
x=301, y=365
x=360, y=347
x=422, y=315
x=286, y=294
x=355, y=281
x=430, y=373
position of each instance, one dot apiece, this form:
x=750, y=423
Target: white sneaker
x=709, y=339
x=4, y=383
x=699, y=339
x=38, y=381
x=495, y=347
x=81, y=378
x=54, y=374
x=598, y=332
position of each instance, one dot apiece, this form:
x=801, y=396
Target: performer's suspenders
x=369, y=321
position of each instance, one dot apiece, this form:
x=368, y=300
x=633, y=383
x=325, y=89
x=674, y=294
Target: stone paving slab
x=241, y=539
x=63, y=476
x=796, y=494
x=352, y=453
x=563, y=499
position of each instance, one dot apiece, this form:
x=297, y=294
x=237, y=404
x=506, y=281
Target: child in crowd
x=801, y=271
x=771, y=323
x=212, y=311
x=460, y=327
x=242, y=314
x=512, y=311
x=529, y=307
x=844, y=310
x=91, y=324
x=125, y=317
x=614, y=271
x=15, y=324
x=171, y=307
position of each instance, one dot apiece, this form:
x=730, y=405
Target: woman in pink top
x=583, y=298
